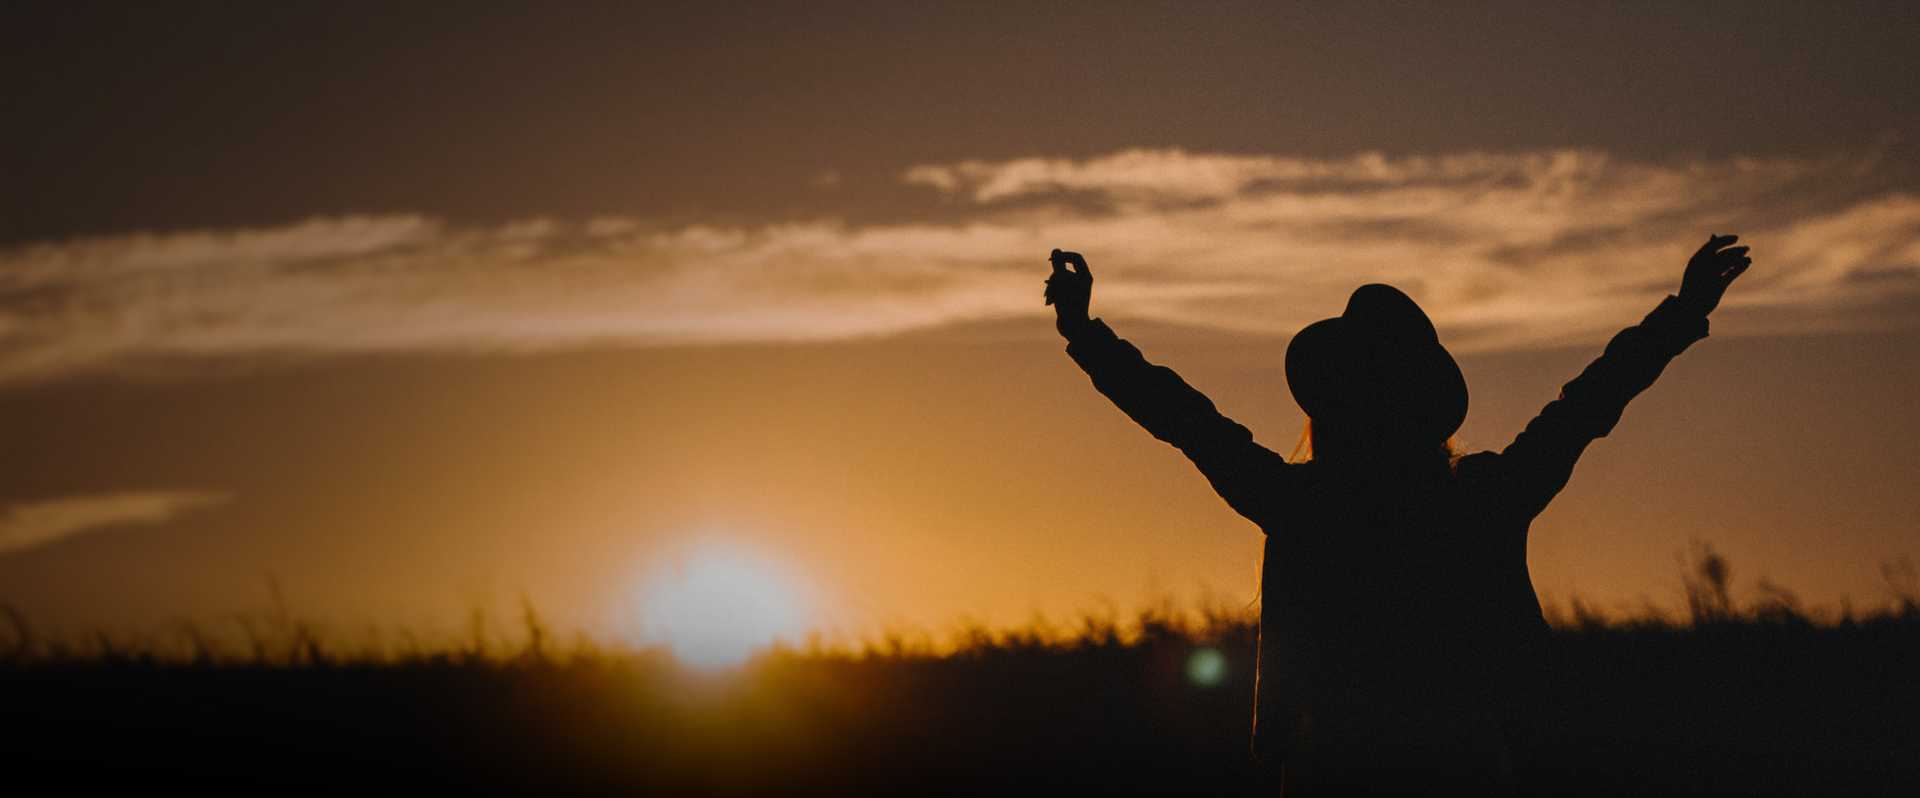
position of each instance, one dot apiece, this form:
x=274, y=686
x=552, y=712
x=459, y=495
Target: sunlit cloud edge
x=1507, y=251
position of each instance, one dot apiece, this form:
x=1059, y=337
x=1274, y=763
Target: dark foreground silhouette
x=1748, y=702
x=1400, y=636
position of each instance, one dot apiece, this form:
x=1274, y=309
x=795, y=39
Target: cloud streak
x=34, y=524
x=1506, y=250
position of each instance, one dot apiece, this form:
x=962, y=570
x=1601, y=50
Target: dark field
x=1752, y=700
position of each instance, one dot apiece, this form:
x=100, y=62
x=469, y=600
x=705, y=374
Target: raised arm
x=1249, y=476
x=1540, y=461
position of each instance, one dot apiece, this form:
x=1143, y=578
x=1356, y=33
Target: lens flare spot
x=1207, y=667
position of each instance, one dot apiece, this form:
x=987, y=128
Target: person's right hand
x=1711, y=270
x=1069, y=292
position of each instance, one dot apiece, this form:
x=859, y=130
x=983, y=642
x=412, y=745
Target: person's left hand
x=1711, y=270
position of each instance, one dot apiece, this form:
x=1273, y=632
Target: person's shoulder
x=1476, y=465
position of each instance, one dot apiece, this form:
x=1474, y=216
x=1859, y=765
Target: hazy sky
x=419, y=310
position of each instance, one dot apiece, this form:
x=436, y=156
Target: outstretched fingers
x=1714, y=243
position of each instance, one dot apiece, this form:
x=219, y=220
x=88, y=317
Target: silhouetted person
x=1398, y=618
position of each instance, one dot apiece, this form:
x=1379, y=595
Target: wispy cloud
x=34, y=524
x=1506, y=250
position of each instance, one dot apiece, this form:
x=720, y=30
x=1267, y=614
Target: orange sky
x=528, y=303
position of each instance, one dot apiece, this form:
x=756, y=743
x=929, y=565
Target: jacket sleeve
x=1540, y=460
x=1243, y=472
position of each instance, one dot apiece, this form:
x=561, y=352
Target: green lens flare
x=1207, y=667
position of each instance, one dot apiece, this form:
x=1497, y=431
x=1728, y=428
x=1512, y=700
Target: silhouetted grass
x=1751, y=697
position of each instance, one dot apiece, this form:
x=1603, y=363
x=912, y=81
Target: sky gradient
x=414, y=313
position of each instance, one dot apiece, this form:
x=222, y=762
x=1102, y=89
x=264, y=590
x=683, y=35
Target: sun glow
x=718, y=604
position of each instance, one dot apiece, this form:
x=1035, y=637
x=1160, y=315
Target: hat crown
x=1389, y=315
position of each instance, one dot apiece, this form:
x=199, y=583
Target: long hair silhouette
x=1399, y=628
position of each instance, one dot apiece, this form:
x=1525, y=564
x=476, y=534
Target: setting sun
x=718, y=604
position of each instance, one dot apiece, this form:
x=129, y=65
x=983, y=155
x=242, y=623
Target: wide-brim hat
x=1379, y=364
